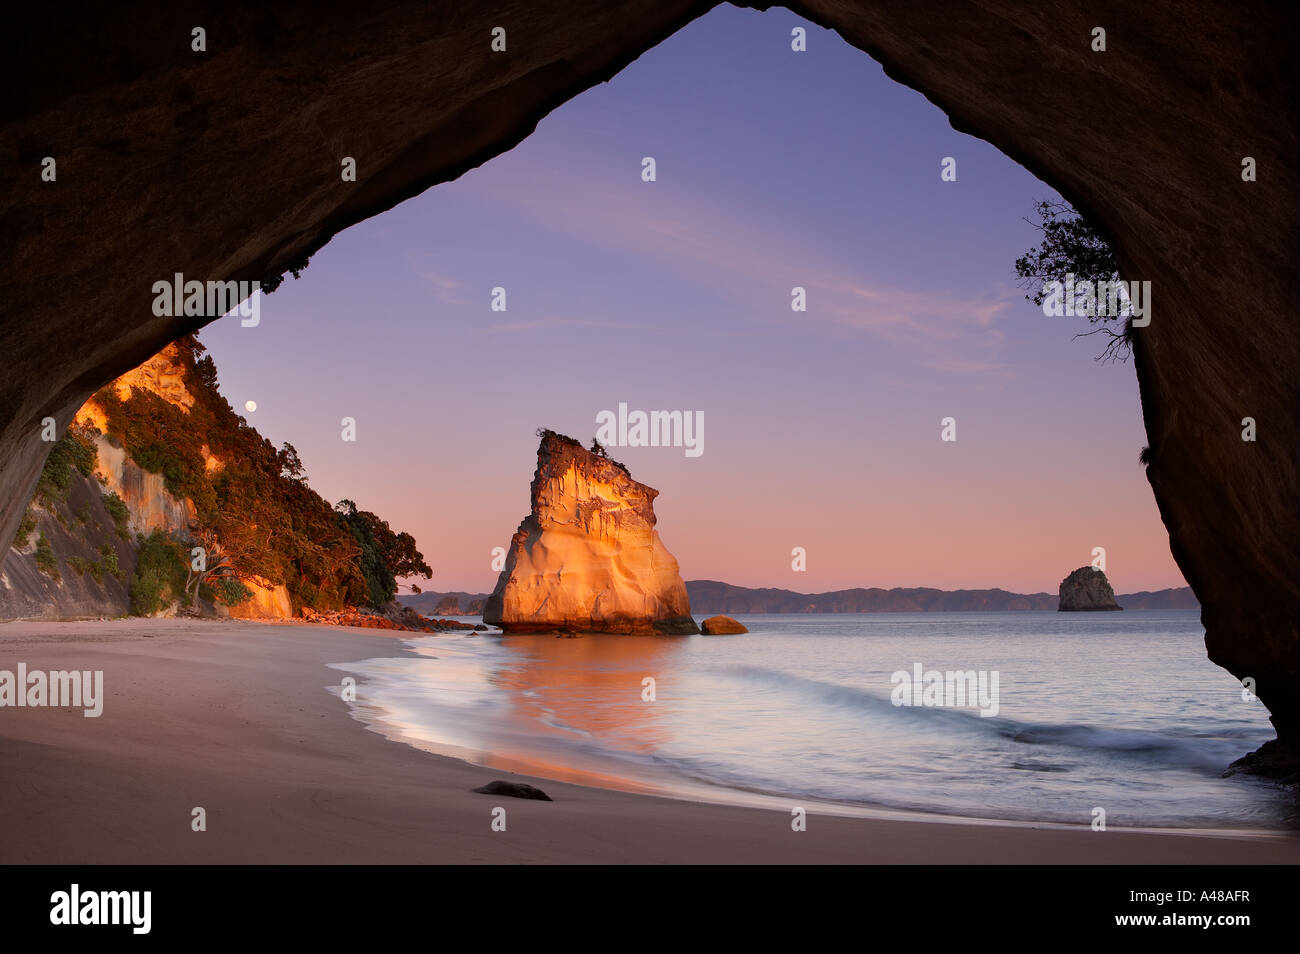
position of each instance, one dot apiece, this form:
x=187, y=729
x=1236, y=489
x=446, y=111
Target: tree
x=217, y=563
x=385, y=555
x=290, y=463
x=255, y=513
x=1073, y=246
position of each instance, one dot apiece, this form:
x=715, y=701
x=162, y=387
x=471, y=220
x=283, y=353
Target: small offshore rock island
x=1087, y=590
x=587, y=558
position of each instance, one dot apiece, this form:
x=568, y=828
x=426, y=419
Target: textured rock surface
x=27, y=593
x=588, y=557
x=162, y=374
x=722, y=626
x=152, y=505
x=1086, y=590
x=1274, y=759
x=269, y=601
x=226, y=165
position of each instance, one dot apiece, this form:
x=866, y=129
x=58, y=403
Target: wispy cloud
x=731, y=250
x=447, y=289
x=534, y=324
x=966, y=366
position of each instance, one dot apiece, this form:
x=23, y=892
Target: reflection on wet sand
x=589, y=685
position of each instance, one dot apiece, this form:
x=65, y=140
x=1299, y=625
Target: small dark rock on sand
x=514, y=790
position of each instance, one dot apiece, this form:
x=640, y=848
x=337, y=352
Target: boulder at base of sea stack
x=588, y=557
x=722, y=626
x=1087, y=589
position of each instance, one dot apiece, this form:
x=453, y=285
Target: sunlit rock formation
x=93, y=551
x=1087, y=589
x=588, y=557
x=268, y=601
x=722, y=626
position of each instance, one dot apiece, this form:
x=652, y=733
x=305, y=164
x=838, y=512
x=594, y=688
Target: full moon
x=250, y=406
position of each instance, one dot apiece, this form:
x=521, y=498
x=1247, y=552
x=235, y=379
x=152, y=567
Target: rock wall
x=79, y=528
x=587, y=558
x=153, y=141
x=269, y=601
x=152, y=505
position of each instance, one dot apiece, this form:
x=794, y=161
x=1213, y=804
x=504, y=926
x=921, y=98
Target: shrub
x=108, y=559
x=230, y=591
x=78, y=565
x=160, y=573
x=25, y=528
x=46, y=561
x=146, y=593
x=120, y=512
x=74, y=453
x=296, y=268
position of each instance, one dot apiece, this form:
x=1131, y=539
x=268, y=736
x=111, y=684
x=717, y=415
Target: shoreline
x=234, y=717
x=607, y=774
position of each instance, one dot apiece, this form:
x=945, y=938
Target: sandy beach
x=236, y=718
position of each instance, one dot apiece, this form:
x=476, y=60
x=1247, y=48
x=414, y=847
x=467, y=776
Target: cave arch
x=224, y=164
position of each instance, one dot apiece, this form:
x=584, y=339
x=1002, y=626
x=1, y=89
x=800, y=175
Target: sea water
x=1115, y=711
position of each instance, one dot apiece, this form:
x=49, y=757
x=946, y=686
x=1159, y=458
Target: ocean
x=1120, y=712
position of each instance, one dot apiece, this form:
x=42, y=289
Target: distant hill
x=711, y=596
x=430, y=603
x=1180, y=598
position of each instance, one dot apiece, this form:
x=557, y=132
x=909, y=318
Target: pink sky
x=822, y=427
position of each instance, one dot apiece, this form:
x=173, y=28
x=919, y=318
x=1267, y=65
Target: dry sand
x=235, y=717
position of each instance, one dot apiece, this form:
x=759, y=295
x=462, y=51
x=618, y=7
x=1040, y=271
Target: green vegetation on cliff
x=45, y=558
x=74, y=453
x=160, y=575
x=385, y=555
x=253, y=500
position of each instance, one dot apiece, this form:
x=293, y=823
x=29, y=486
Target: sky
x=822, y=428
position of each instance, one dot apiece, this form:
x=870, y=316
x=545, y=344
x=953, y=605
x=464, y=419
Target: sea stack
x=1086, y=590
x=588, y=557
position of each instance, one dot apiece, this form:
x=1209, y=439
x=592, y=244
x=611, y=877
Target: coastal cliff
x=155, y=468
x=587, y=558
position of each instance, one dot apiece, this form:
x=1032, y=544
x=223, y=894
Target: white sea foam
x=1127, y=713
